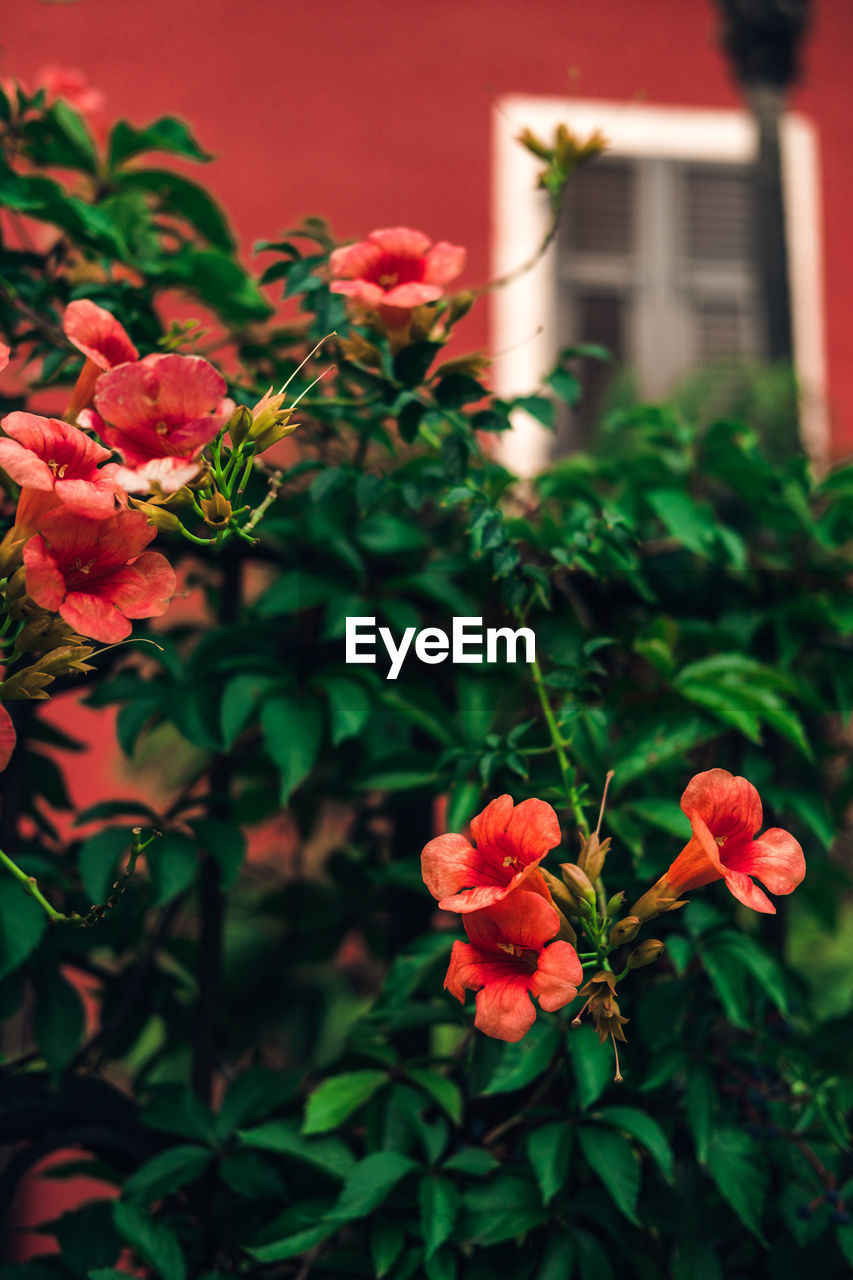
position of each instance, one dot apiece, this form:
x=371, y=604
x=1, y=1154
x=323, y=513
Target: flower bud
x=66, y=659
x=273, y=434
x=474, y=365
x=624, y=931
x=157, y=516
x=563, y=900
x=578, y=883
x=18, y=603
x=11, y=549
x=239, y=425
x=29, y=683
x=459, y=305
x=615, y=903
x=43, y=632
x=646, y=953
x=217, y=510
x=566, y=933
x=592, y=855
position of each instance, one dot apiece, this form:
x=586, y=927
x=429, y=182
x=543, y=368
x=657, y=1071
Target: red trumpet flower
x=510, y=842
x=507, y=961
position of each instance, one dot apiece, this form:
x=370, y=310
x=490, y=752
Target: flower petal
x=697, y=864
x=5, y=353
x=729, y=806
x=363, y=292
x=775, y=857
x=403, y=242
x=444, y=262
x=521, y=919
x=7, y=737
x=354, y=260
x=411, y=295
x=143, y=589
x=93, y=616
x=24, y=466
x=557, y=977
x=96, y=332
x=45, y=583
x=747, y=891
x=504, y=1009
x=448, y=864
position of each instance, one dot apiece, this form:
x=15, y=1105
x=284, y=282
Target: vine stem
x=30, y=886
x=559, y=747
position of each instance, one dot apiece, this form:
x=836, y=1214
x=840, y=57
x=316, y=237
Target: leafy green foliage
x=303, y=1093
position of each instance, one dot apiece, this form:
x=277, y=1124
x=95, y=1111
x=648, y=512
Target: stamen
x=603, y=801
x=333, y=334
x=618, y=1078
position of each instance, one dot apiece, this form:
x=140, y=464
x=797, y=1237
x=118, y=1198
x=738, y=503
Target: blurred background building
x=377, y=115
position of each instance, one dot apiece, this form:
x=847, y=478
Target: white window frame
x=524, y=317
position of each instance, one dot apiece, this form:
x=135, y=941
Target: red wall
x=375, y=113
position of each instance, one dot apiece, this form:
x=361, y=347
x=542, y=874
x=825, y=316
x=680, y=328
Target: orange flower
x=507, y=961
x=725, y=812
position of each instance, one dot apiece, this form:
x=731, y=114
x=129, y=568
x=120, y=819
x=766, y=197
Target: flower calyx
x=217, y=510
x=646, y=953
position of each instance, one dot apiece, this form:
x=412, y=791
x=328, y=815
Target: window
x=653, y=259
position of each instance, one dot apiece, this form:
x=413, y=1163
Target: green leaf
x=728, y=979
x=254, y=1094
x=411, y=364
x=565, y=385
x=442, y=1090
x=438, y=1200
x=763, y=967
x=337, y=1098
x=643, y=1127
x=549, y=1150
x=386, y=1245
x=219, y=281
x=22, y=924
x=699, y=1099
x=612, y=1158
x=58, y=1022
x=154, y=1243
x=87, y=1240
x=167, y=1171
x=370, y=1183
x=522, y=1063
x=291, y=1246
x=239, y=701
x=463, y=802
x=474, y=1161
x=349, y=707
x=592, y=1064
x=692, y=524
x=740, y=1174
x=539, y=407
x=500, y=1209
x=99, y=858
x=165, y=134
x=185, y=199
x=225, y=842
x=293, y=730
x=329, y=1154
x=60, y=138
x=558, y=1257
x=173, y=863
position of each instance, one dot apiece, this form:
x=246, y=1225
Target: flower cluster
x=513, y=909
x=75, y=564
x=509, y=916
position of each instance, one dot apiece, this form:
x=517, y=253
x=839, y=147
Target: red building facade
x=377, y=115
